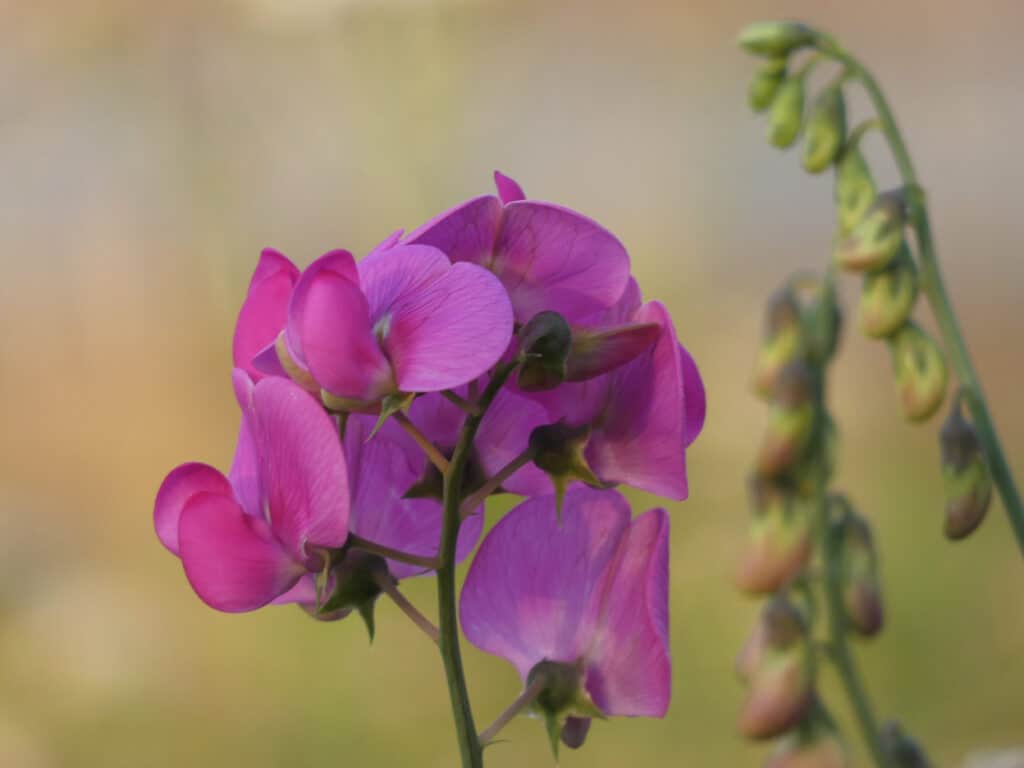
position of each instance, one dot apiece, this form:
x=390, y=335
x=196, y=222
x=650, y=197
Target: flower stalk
x=523, y=700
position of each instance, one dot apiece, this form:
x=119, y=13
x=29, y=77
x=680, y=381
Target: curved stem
x=523, y=700
x=390, y=553
x=429, y=449
x=388, y=586
x=838, y=636
x=494, y=483
x=934, y=289
x=448, y=622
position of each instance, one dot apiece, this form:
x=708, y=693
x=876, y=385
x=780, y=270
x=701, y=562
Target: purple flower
x=590, y=594
x=637, y=420
x=548, y=257
x=247, y=539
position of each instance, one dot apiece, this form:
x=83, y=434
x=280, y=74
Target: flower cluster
x=501, y=347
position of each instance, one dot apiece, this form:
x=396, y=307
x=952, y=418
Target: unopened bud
x=775, y=38
x=823, y=320
x=888, y=296
x=790, y=421
x=544, y=344
x=780, y=626
x=787, y=112
x=858, y=563
x=873, y=243
x=813, y=744
x=574, y=731
x=855, y=190
x=902, y=750
x=783, y=341
x=920, y=370
x=597, y=352
x=765, y=84
x=825, y=130
x=779, y=542
x=966, y=476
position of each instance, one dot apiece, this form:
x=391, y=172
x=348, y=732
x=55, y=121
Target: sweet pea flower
x=583, y=602
x=548, y=257
x=248, y=539
x=630, y=426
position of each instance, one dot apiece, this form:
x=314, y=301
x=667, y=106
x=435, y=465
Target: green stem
x=838, y=635
x=448, y=622
x=934, y=289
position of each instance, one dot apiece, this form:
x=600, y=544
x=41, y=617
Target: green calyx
x=544, y=345
x=787, y=112
x=562, y=698
x=765, y=84
x=351, y=582
x=874, y=242
x=825, y=130
x=558, y=449
x=775, y=38
x=888, y=296
x=920, y=369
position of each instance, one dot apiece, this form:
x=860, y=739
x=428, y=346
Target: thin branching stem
x=523, y=700
x=494, y=483
x=358, y=542
x=429, y=449
x=390, y=588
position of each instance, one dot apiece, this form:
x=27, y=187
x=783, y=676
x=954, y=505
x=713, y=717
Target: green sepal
x=389, y=406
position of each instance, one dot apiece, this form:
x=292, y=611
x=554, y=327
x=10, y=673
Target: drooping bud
x=965, y=474
x=855, y=189
x=783, y=340
x=825, y=130
x=887, y=297
x=563, y=702
x=593, y=353
x=765, y=84
x=920, y=370
x=351, y=583
x=558, y=449
x=814, y=743
x=902, y=750
x=779, y=542
x=873, y=242
x=775, y=38
x=790, y=421
x=787, y=112
x=777, y=664
x=823, y=320
x=544, y=344
x=818, y=463
x=858, y=570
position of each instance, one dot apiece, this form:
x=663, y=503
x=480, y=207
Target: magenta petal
x=302, y=468
x=265, y=308
x=178, y=487
x=508, y=190
x=338, y=263
x=268, y=363
x=527, y=596
x=232, y=559
x=599, y=351
x=505, y=433
x=303, y=593
x=336, y=339
x=395, y=275
x=438, y=418
x=629, y=671
x=641, y=438
x=449, y=331
x=464, y=233
x=551, y=258
x=694, y=399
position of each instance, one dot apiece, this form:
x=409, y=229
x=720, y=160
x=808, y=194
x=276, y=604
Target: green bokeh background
x=149, y=150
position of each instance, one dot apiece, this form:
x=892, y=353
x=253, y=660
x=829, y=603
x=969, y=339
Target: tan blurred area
x=149, y=150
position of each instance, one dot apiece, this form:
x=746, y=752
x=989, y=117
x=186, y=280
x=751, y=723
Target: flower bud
x=903, y=751
x=858, y=565
x=597, y=352
x=765, y=84
x=779, y=669
x=790, y=421
x=823, y=320
x=775, y=38
x=779, y=542
x=825, y=130
x=783, y=342
x=874, y=241
x=813, y=744
x=544, y=344
x=887, y=297
x=965, y=474
x=855, y=189
x=574, y=731
x=920, y=370
x=787, y=112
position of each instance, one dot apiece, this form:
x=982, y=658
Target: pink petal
x=438, y=418
x=549, y=257
x=464, y=233
x=178, y=487
x=244, y=475
x=265, y=308
x=505, y=433
x=599, y=351
x=392, y=276
x=629, y=671
x=268, y=363
x=508, y=190
x=449, y=331
x=302, y=468
x=527, y=594
x=303, y=593
x=339, y=263
x=232, y=559
x=336, y=339
x=641, y=438
x=694, y=399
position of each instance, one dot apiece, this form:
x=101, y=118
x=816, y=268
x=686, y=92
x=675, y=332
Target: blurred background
x=149, y=150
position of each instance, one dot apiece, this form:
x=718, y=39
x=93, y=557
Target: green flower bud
x=888, y=296
x=779, y=543
x=858, y=565
x=965, y=474
x=787, y=112
x=765, y=84
x=775, y=38
x=825, y=130
x=544, y=344
x=790, y=421
x=855, y=190
x=813, y=744
x=874, y=242
x=920, y=370
x=783, y=341
x=903, y=751
x=823, y=320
